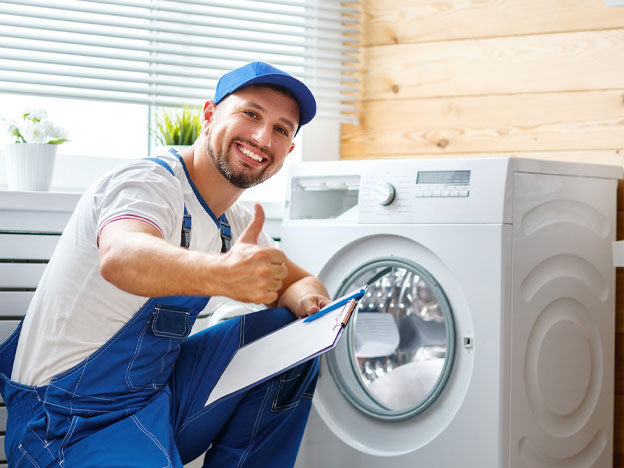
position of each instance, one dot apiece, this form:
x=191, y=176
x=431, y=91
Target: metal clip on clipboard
x=350, y=307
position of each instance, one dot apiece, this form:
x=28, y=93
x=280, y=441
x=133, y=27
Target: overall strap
x=222, y=223
x=185, y=237
x=226, y=233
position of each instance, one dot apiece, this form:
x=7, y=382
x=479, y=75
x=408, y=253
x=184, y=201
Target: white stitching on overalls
x=254, y=432
x=282, y=381
x=45, y=445
x=134, y=357
x=153, y=438
x=27, y=455
x=79, y=380
x=205, y=409
x=25, y=388
x=90, y=397
x=70, y=372
x=65, y=440
x=162, y=358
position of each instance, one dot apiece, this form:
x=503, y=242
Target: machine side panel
x=562, y=336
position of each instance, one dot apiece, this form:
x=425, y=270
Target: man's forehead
x=248, y=97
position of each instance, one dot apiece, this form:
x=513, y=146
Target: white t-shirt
x=74, y=310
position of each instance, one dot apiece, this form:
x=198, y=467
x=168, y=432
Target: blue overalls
x=138, y=401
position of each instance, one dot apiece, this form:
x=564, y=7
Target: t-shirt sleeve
x=140, y=190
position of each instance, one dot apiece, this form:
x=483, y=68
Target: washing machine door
x=398, y=351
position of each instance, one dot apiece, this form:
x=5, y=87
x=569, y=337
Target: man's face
x=250, y=134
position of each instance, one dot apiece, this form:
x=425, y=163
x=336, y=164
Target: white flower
x=36, y=114
x=10, y=125
x=35, y=133
x=49, y=127
x=34, y=127
x=58, y=133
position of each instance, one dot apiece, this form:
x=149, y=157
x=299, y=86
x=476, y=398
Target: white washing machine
x=486, y=339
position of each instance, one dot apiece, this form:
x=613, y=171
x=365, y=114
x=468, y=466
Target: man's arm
x=136, y=259
x=302, y=293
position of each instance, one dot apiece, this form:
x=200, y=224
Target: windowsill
x=12, y=200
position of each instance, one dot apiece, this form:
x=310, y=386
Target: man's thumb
x=251, y=233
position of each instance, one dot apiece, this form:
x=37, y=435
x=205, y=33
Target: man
x=102, y=373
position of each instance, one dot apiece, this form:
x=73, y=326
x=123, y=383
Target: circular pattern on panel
x=563, y=370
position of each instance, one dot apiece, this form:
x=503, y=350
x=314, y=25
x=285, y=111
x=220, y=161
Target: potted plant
x=176, y=128
x=30, y=158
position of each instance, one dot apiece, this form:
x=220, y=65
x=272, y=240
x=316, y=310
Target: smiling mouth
x=250, y=154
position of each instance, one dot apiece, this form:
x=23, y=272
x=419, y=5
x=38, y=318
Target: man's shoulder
x=136, y=172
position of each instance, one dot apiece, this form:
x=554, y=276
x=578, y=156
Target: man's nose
x=262, y=135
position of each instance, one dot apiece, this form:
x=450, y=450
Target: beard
x=240, y=178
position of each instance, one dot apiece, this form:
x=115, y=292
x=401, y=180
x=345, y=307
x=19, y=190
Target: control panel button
x=384, y=193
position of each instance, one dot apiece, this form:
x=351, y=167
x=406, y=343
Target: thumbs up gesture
x=252, y=273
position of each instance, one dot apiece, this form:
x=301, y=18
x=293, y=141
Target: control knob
x=384, y=193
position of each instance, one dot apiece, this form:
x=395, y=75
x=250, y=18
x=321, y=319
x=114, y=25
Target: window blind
x=172, y=52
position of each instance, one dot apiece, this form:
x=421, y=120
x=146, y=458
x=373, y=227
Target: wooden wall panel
x=408, y=21
x=523, y=122
x=587, y=60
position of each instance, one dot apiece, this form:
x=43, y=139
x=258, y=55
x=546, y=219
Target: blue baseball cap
x=263, y=73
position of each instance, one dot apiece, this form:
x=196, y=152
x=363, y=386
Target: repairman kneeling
x=102, y=373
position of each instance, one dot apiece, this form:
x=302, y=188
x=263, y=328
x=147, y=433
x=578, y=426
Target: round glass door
x=399, y=347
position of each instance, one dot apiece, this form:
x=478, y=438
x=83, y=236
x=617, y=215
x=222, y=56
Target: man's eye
x=251, y=114
x=281, y=130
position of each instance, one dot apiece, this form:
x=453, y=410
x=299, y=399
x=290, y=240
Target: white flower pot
x=29, y=166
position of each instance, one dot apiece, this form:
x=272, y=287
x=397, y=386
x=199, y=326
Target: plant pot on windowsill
x=29, y=166
x=30, y=159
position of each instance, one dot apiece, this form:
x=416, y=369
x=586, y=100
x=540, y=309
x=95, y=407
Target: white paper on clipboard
x=285, y=348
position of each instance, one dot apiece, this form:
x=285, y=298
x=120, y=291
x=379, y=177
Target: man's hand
x=252, y=273
x=310, y=304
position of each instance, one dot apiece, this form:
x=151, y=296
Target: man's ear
x=209, y=110
x=292, y=147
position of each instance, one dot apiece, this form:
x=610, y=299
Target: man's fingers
x=251, y=233
x=276, y=257
x=311, y=304
x=323, y=301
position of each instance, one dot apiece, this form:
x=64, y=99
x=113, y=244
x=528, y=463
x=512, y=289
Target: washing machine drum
x=398, y=351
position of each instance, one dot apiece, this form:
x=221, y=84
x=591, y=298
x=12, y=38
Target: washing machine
x=486, y=337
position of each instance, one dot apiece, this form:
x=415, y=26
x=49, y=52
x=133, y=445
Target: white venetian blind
x=172, y=52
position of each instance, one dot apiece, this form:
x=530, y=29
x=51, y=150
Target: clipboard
x=286, y=347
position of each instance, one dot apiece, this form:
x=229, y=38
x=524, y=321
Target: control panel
x=419, y=191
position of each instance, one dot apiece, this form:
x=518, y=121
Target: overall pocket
x=296, y=384
x=157, y=347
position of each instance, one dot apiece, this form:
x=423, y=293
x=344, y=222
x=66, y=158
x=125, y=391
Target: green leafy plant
x=177, y=126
